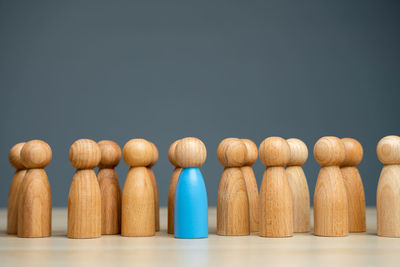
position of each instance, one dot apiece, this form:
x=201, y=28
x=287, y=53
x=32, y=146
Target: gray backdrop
x=163, y=70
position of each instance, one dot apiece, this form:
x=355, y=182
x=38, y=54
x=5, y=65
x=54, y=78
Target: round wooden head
x=298, y=152
x=171, y=153
x=388, y=150
x=353, y=152
x=110, y=154
x=154, y=159
x=190, y=152
x=84, y=154
x=14, y=156
x=138, y=153
x=274, y=151
x=252, y=152
x=36, y=154
x=232, y=152
x=329, y=151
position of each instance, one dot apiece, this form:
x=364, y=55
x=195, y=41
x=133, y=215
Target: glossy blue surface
x=191, y=205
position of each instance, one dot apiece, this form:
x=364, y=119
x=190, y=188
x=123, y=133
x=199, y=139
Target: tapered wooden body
x=388, y=202
x=232, y=204
x=355, y=197
x=138, y=216
x=252, y=195
x=110, y=201
x=84, y=205
x=171, y=198
x=156, y=199
x=330, y=203
x=301, y=198
x=276, y=205
x=12, y=211
x=34, y=205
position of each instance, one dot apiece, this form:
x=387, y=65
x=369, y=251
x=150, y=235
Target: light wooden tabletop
x=364, y=249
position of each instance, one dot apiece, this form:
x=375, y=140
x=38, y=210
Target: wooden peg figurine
x=191, y=204
x=330, y=198
x=34, y=196
x=251, y=183
x=138, y=212
x=353, y=184
x=276, y=205
x=14, y=156
x=84, y=200
x=388, y=192
x=298, y=185
x=109, y=188
x=233, y=203
x=155, y=188
x=172, y=187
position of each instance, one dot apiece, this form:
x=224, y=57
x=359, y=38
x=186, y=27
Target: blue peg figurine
x=191, y=205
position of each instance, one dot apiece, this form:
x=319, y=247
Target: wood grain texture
x=251, y=182
x=388, y=202
x=276, y=204
x=138, y=218
x=84, y=154
x=356, y=199
x=36, y=154
x=330, y=203
x=231, y=152
x=301, y=198
x=233, y=217
x=138, y=201
x=110, y=154
x=12, y=211
x=110, y=201
x=171, y=198
x=274, y=151
x=156, y=199
x=34, y=195
x=353, y=184
x=252, y=196
x=172, y=187
x=331, y=209
x=190, y=152
x=109, y=187
x=14, y=157
x=84, y=205
x=388, y=150
x=138, y=153
x=155, y=187
x=329, y=151
x=298, y=185
x=34, y=205
x=84, y=199
x=232, y=204
x=388, y=191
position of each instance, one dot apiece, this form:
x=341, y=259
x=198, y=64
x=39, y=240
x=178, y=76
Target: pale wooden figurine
x=84, y=200
x=14, y=156
x=233, y=216
x=298, y=185
x=138, y=212
x=330, y=197
x=34, y=196
x=388, y=192
x=276, y=204
x=109, y=188
x=354, y=185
